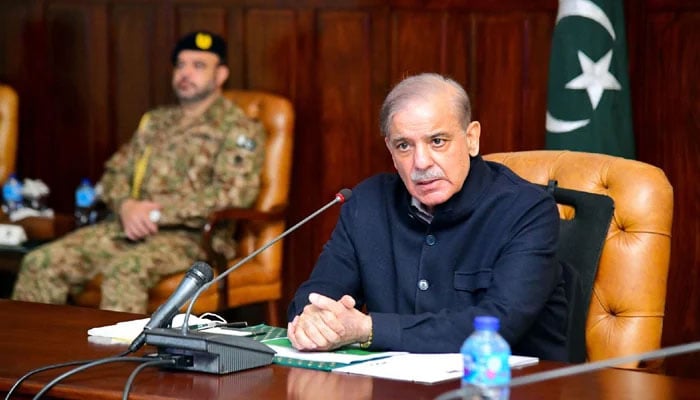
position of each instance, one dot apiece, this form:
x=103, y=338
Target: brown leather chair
x=627, y=305
x=9, y=121
x=259, y=280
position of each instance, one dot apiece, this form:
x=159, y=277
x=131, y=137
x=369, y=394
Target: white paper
x=421, y=368
x=327, y=356
x=230, y=332
x=127, y=331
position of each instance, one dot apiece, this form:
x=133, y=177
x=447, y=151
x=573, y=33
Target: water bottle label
x=488, y=370
x=497, y=369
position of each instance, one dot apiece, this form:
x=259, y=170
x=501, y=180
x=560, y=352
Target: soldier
x=183, y=162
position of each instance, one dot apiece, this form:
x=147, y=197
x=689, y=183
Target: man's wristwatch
x=366, y=344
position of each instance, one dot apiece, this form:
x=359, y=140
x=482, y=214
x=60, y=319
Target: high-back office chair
x=629, y=293
x=260, y=279
x=583, y=230
x=9, y=121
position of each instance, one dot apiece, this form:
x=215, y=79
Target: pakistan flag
x=588, y=104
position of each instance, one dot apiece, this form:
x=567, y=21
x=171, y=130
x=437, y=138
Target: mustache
x=183, y=81
x=426, y=175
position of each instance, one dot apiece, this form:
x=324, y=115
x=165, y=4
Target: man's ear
x=473, y=135
x=222, y=72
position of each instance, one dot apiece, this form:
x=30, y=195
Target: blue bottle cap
x=486, y=323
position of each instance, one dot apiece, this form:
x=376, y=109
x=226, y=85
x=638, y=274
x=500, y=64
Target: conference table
x=34, y=335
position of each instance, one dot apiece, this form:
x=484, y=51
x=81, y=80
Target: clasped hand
x=136, y=222
x=326, y=324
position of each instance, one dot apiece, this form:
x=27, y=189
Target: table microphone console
x=209, y=352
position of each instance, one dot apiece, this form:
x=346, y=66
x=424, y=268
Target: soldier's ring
x=154, y=215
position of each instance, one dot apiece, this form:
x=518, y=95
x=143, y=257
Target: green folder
x=278, y=336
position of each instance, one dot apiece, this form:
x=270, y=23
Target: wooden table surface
x=35, y=335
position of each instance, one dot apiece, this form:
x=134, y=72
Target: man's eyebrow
x=397, y=139
x=439, y=134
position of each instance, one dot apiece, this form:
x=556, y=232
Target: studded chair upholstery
x=629, y=293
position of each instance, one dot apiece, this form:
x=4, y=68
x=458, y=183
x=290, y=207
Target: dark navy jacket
x=490, y=250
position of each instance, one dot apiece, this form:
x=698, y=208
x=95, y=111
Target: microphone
x=198, y=275
x=220, y=354
x=584, y=368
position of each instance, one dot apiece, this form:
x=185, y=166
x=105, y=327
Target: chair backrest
x=260, y=279
x=629, y=294
x=581, y=240
x=277, y=116
x=9, y=121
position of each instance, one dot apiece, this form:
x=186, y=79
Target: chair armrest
x=240, y=216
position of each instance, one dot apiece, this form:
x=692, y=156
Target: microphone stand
x=340, y=197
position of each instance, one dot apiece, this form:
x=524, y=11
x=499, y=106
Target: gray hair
x=424, y=86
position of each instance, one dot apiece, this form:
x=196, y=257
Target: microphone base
x=209, y=352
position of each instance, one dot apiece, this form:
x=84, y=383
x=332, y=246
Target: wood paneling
x=86, y=70
x=667, y=127
x=130, y=54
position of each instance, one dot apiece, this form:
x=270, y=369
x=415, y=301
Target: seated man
x=425, y=251
x=183, y=162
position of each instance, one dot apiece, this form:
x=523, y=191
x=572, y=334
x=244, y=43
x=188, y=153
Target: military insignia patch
x=203, y=41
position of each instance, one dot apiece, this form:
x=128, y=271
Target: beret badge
x=203, y=41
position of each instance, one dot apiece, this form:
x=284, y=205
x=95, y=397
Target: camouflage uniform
x=213, y=162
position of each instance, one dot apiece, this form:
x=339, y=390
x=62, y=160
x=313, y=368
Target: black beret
x=202, y=41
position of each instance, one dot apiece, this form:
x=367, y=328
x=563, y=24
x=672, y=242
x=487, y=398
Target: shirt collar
x=421, y=211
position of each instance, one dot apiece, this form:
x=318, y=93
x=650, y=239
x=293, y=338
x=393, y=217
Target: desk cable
x=132, y=376
x=148, y=361
x=26, y=376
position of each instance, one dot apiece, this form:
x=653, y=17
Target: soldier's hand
x=135, y=218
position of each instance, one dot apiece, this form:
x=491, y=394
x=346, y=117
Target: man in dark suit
x=448, y=238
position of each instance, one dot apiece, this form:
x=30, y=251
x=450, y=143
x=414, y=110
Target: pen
x=215, y=324
x=239, y=324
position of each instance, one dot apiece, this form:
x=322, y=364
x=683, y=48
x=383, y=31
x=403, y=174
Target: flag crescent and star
x=588, y=96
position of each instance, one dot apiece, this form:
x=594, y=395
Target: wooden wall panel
x=669, y=104
x=194, y=17
x=536, y=44
x=271, y=54
x=21, y=24
x=499, y=61
x=301, y=248
x=77, y=62
x=344, y=76
x=418, y=40
x=131, y=50
x=87, y=69
x=98, y=89
x=13, y=19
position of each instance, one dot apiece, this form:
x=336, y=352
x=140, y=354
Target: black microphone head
x=344, y=195
x=201, y=271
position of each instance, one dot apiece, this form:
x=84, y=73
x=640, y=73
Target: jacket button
x=423, y=284
x=430, y=240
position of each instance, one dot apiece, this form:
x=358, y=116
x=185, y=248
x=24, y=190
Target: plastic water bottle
x=84, y=202
x=12, y=195
x=485, y=354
